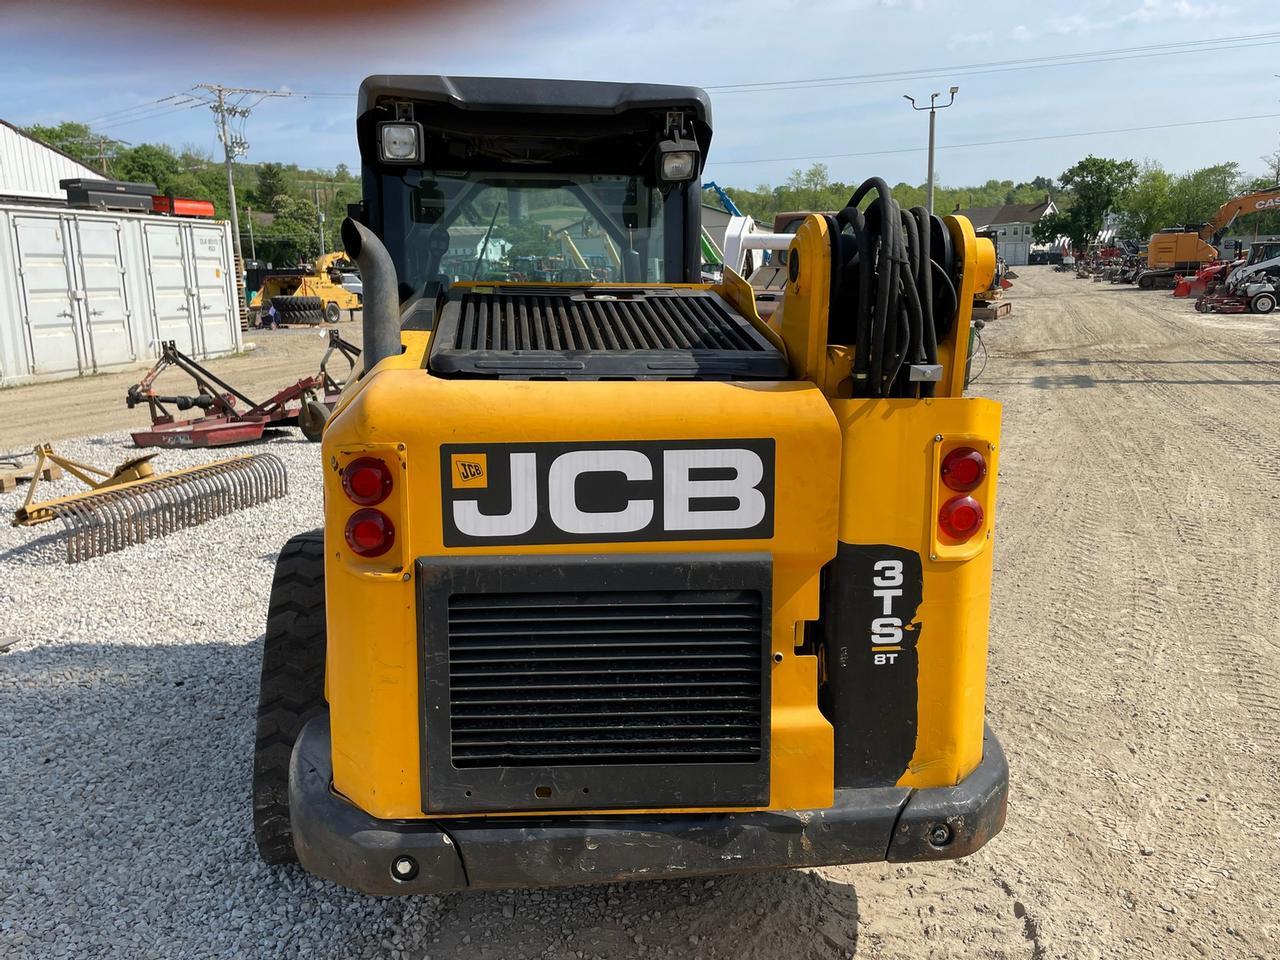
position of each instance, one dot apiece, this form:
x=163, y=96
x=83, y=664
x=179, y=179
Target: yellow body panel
x=372, y=672
x=890, y=455
x=855, y=472
x=1168, y=250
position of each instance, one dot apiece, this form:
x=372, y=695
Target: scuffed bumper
x=337, y=840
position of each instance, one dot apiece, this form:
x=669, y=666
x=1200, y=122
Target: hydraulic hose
x=891, y=295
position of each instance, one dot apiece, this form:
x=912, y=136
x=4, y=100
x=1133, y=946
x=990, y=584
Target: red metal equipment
x=181, y=207
x=1198, y=285
x=304, y=404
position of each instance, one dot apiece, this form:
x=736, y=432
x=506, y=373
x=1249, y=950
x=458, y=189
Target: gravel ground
x=1133, y=681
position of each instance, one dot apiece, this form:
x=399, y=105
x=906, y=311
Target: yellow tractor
x=617, y=581
x=317, y=293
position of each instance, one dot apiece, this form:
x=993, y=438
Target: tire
x=1263, y=303
x=304, y=310
x=292, y=687
x=332, y=312
x=311, y=419
x=1146, y=282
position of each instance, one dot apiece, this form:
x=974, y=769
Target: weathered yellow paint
x=860, y=471
x=888, y=491
x=807, y=300
x=372, y=650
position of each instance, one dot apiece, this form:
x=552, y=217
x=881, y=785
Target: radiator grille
x=566, y=322
x=600, y=333
x=564, y=679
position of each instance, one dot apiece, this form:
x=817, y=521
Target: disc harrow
x=134, y=504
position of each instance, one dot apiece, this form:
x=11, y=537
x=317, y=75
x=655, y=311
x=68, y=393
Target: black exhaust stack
x=381, y=298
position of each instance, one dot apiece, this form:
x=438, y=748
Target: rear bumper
x=337, y=840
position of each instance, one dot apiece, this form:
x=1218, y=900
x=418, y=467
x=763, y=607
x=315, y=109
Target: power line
x=1006, y=63
x=993, y=143
x=1007, y=66
x=234, y=145
x=163, y=112
x=148, y=105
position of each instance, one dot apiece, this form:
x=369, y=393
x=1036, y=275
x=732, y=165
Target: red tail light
x=960, y=517
x=963, y=469
x=366, y=481
x=370, y=533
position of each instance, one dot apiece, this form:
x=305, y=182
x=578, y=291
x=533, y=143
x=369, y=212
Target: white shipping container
x=88, y=291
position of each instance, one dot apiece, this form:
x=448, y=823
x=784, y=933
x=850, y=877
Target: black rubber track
x=292, y=688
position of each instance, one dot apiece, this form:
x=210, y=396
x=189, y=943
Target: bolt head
x=404, y=868
x=940, y=834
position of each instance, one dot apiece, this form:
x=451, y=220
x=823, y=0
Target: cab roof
x=513, y=95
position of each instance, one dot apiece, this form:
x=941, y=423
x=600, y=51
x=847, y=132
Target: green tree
x=1147, y=205
x=74, y=139
x=297, y=227
x=1196, y=196
x=1094, y=184
x=272, y=186
x=148, y=163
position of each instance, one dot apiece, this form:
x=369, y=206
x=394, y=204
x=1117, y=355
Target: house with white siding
x=1013, y=224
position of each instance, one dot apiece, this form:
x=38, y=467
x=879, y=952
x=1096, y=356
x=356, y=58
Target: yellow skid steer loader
x=617, y=581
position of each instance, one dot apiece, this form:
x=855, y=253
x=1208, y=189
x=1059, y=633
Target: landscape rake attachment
x=132, y=503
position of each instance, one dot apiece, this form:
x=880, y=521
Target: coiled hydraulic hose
x=892, y=296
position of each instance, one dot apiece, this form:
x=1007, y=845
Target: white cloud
x=1154, y=11
x=982, y=38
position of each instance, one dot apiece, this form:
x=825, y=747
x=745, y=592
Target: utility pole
x=233, y=145
x=315, y=192
x=253, y=250
x=933, y=109
x=102, y=142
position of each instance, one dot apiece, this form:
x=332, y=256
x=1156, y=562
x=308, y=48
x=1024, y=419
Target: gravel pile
x=128, y=691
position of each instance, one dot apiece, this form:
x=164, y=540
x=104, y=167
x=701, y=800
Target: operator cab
x=1263, y=250
x=493, y=180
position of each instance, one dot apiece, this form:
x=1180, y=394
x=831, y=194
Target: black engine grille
x=570, y=682
x=599, y=333
x=559, y=679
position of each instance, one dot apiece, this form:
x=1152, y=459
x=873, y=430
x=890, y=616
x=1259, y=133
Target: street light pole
x=933, y=109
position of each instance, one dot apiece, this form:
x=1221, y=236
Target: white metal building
x=31, y=170
x=87, y=291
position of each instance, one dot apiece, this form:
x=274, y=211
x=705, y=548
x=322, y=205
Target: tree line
x=1137, y=198
x=286, y=194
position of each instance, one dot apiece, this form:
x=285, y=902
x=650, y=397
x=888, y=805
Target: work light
x=677, y=160
x=400, y=142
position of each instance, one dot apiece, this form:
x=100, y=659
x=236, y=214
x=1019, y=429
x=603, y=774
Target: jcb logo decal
x=601, y=492
x=469, y=470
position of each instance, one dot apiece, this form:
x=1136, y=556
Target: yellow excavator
x=1178, y=250
x=616, y=580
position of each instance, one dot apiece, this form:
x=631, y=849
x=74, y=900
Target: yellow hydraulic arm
x=1248, y=203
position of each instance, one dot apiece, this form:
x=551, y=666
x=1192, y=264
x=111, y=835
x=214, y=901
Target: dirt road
x=1135, y=681
x=1135, y=656
x=95, y=405
x=1135, y=669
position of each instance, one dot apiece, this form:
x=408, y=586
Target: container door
x=170, y=290
x=106, y=305
x=215, y=315
x=50, y=309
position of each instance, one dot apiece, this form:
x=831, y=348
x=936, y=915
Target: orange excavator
x=1182, y=250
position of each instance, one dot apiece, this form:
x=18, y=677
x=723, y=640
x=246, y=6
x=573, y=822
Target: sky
x=110, y=59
